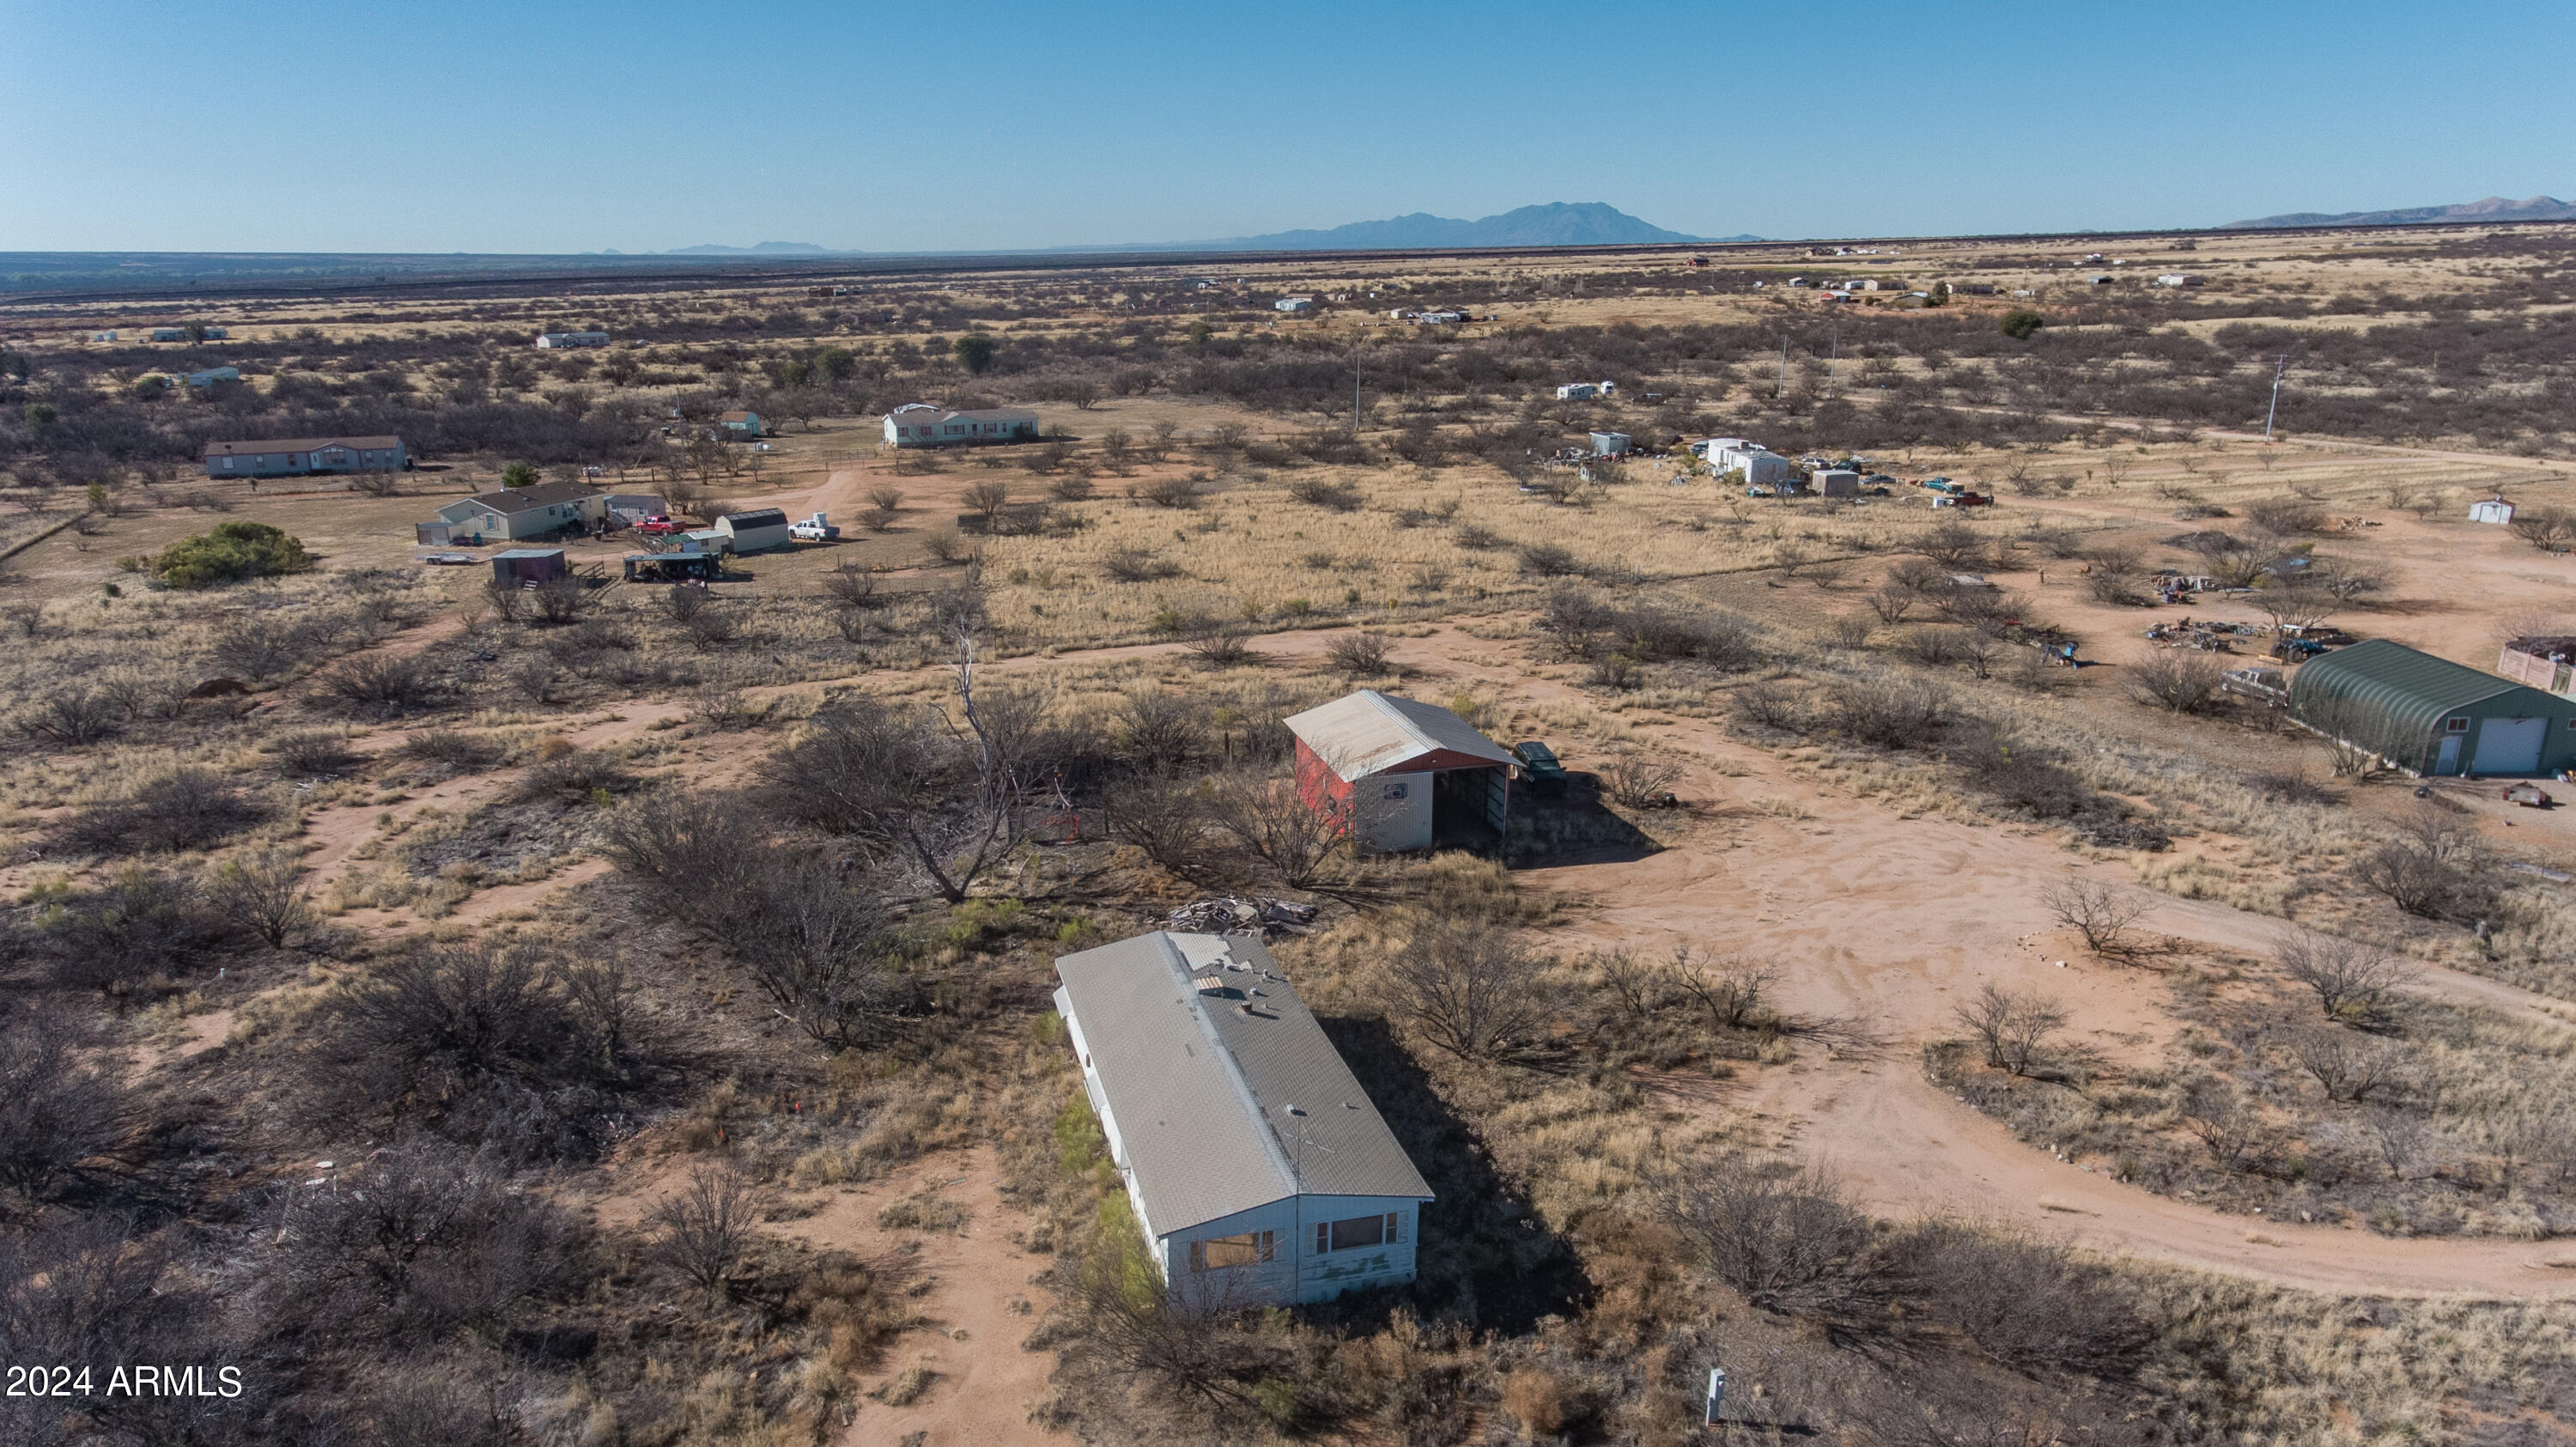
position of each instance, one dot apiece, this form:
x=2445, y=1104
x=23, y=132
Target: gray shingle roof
x=520, y=499
x=1201, y=1045
x=260, y=445
x=1370, y=732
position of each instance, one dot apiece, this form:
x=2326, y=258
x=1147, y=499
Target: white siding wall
x=1384, y=822
x=1296, y=1271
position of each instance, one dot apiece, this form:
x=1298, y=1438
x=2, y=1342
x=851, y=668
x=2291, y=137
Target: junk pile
x=1230, y=914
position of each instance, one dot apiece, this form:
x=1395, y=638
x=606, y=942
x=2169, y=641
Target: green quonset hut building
x=2431, y=716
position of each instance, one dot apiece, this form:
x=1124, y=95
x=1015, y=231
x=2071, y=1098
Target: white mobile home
x=554, y=340
x=918, y=424
x=1581, y=391
x=1258, y=1168
x=511, y=514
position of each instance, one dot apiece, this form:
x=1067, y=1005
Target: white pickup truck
x=815, y=529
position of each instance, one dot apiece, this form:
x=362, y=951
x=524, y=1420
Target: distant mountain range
x=1560, y=223
x=2494, y=208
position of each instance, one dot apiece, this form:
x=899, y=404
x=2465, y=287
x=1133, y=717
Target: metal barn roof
x=1201, y=1046
x=2409, y=689
x=1375, y=733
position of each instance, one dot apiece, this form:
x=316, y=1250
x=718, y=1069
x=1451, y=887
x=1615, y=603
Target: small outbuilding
x=1610, y=444
x=1259, y=1170
x=751, y=532
x=1401, y=773
x=527, y=567
x=741, y=423
x=2430, y=716
x=1834, y=482
x=2493, y=510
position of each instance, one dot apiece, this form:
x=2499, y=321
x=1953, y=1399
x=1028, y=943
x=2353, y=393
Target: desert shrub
x=2021, y=326
x=382, y=685
x=2289, y=787
x=70, y=716
x=452, y=753
x=2181, y=681
x=705, y=1228
x=1219, y=644
x=1768, y=704
x=1468, y=988
x=311, y=753
x=232, y=552
x=186, y=808
x=1325, y=493
x=2285, y=516
x=57, y=1108
x=1720, y=640
x=1158, y=729
x=1787, y=1243
x=1934, y=647
x=483, y=1045
x=1889, y=712
x=1134, y=565
x=2434, y=866
x=1362, y=654
x=1168, y=815
x=2353, y=980
x=262, y=895
x=1640, y=778
x=417, y=1244
x=1476, y=538
x=259, y=649
x=576, y=775
x=2029, y=1304
x=1276, y=828
x=1956, y=547
x=2546, y=528
x=137, y=926
x=814, y=940
x=2101, y=912
x=2013, y=1027
x=1549, y=560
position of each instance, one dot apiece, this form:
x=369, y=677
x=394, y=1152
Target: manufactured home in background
x=210, y=376
x=1259, y=1170
x=1294, y=304
x=511, y=514
x=554, y=340
x=1584, y=391
x=1401, y=773
x=919, y=424
x=302, y=456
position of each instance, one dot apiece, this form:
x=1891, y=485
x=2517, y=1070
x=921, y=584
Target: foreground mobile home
x=1259, y=1170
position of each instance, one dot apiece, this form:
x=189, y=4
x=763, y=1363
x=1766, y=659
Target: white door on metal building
x=2509, y=746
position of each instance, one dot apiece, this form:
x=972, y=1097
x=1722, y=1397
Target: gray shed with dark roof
x=2428, y=715
x=1258, y=1168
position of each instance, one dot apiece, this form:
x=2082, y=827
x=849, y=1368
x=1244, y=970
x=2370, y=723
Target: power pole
x=1781, y=389
x=1355, y=386
x=2275, y=411
x=1833, y=364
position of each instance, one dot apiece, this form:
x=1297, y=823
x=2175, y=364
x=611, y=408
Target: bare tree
x=1471, y=989
x=2101, y=912
x=2180, y=681
x=2232, y=1129
x=2348, y=1067
x=2013, y=1026
x=2353, y=981
x=263, y=894
x=1734, y=990
x=1640, y=778
x=707, y=1225
x=1278, y=828
x=1788, y=1243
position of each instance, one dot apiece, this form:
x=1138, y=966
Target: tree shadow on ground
x=1484, y=1258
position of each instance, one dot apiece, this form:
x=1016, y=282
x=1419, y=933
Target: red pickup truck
x=658, y=526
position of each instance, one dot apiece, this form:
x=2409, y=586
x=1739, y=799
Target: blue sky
x=572, y=125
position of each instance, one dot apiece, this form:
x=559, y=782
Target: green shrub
x=2021, y=325
x=232, y=552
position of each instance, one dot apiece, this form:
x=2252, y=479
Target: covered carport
x=1402, y=773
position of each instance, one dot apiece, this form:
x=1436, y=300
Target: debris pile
x=1227, y=914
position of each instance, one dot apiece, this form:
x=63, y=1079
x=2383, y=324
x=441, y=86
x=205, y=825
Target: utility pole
x=1833, y=364
x=2277, y=368
x=1355, y=386
x=1782, y=388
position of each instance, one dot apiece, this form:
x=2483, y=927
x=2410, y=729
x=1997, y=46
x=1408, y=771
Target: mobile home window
x=1217, y=1252
x=1356, y=1232
x=2456, y=725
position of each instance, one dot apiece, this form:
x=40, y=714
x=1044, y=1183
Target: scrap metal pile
x=1239, y=914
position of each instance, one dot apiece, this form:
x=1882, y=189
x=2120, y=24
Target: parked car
x=1539, y=767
